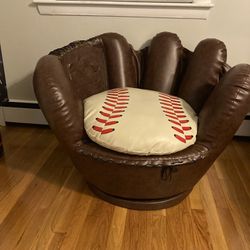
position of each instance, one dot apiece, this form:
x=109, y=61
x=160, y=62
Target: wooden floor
x=45, y=204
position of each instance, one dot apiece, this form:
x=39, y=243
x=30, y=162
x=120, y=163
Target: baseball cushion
x=139, y=121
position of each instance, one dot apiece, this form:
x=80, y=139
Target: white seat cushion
x=139, y=121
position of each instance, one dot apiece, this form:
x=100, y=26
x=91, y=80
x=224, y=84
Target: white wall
x=25, y=35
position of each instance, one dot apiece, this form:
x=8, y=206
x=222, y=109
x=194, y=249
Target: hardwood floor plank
x=135, y=233
x=232, y=172
x=178, y=224
x=95, y=230
x=26, y=158
x=15, y=180
x=195, y=198
x=215, y=182
x=189, y=225
x=200, y=225
x=116, y=230
x=215, y=229
x=156, y=233
x=30, y=209
x=56, y=224
x=241, y=159
x=11, y=147
x=237, y=198
x=232, y=236
x=46, y=204
x=14, y=137
x=241, y=149
x=77, y=221
x=145, y=230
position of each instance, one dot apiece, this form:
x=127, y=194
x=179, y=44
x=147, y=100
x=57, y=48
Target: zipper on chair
x=167, y=172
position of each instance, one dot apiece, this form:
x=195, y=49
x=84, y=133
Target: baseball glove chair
x=220, y=96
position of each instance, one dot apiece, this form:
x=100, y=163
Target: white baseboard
x=244, y=129
x=22, y=115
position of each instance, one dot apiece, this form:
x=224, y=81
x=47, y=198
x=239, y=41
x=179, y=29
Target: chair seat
x=140, y=122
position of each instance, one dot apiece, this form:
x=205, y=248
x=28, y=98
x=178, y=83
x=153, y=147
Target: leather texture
x=117, y=119
x=220, y=96
x=225, y=109
x=121, y=67
x=59, y=101
x=163, y=63
x=85, y=66
x=203, y=72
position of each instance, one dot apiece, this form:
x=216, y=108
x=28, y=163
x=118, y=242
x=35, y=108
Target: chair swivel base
x=153, y=204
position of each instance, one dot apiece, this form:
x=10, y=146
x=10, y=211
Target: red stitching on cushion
x=167, y=108
x=96, y=128
x=101, y=120
x=124, y=96
x=123, y=91
x=115, y=116
x=104, y=114
x=173, y=117
x=123, y=99
x=170, y=102
x=106, y=131
x=177, y=107
x=172, y=108
x=109, y=104
x=165, y=101
x=178, y=129
x=122, y=103
x=109, y=100
x=110, y=123
x=108, y=109
x=180, y=138
x=168, y=112
x=117, y=100
x=118, y=111
x=174, y=122
x=169, y=96
x=186, y=128
x=121, y=107
x=112, y=97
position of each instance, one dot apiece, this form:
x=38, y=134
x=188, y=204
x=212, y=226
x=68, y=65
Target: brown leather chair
x=219, y=94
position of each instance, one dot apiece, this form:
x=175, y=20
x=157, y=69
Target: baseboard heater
x=17, y=111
